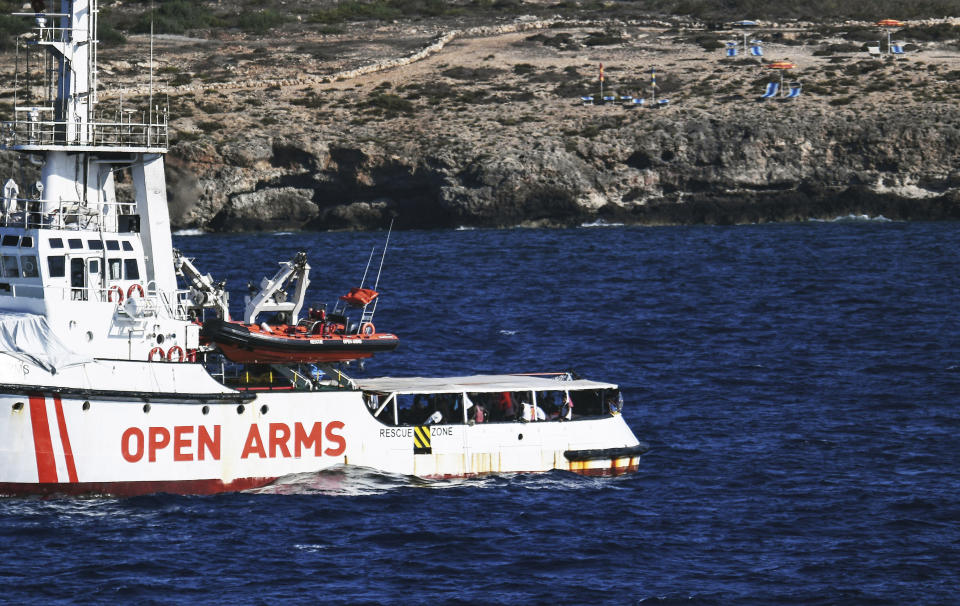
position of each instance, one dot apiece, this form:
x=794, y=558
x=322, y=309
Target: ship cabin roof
x=479, y=384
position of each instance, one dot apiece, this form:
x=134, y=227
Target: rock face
x=765, y=163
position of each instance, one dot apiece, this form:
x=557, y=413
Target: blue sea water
x=799, y=385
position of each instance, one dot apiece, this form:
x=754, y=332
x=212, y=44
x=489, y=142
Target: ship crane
x=204, y=292
x=274, y=292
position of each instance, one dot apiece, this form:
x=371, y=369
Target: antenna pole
x=367, y=268
x=384, y=255
x=150, y=108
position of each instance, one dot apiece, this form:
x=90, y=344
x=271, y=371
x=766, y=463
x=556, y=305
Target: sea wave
x=601, y=223
x=852, y=218
x=190, y=232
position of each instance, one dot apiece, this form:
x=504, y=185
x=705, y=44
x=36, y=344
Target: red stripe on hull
x=262, y=356
x=613, y=470
x=130, y=489
x=65, y=440
x=42, y=444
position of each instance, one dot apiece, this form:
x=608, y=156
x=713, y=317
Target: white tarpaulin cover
x=28, y=337
x=478, y=383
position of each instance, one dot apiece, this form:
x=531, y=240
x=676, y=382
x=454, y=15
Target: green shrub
x=390, y=103
x=605, y=38
x=259, y=22
x=174, y=17
x=209, y=126
x=181, y=79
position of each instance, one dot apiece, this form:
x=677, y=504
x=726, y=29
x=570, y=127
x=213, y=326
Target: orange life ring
x=367, y=328
x=176, y=349
x=154, y=351
x=115, y=289
x=135, y=287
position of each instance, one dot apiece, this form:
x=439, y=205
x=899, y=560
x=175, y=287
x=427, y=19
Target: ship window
x=29, y=265
x=4, y=287
x=9, y=240
x=130, y=269
x=94, y=266
x=127, y=245
x=11, y=269
x=26, y=242
x=57, y=265
x=56, y=242
x=113, y=245
x=75, y=243
x=113, y=265
x=95, y=244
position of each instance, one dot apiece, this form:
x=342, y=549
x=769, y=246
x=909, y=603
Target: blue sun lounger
x=731, y=49
x=756, y=51
x=587, y=100
x=794, y=90
x=637, y=102
x=896, y=49
x=772, y=89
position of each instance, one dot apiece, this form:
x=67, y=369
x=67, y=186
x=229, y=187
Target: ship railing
x=174, y=306
x=146, y=308
x=27, y=213
x=36, y=132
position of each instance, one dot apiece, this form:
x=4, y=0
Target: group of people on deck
x=496, y=407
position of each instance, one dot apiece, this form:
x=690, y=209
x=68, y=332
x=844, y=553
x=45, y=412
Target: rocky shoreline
x=482, y=127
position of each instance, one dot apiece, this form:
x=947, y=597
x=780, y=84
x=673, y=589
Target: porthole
x=519, y=436
x=18, y=406
x=240, y=409
x=205, y=410
x=264, y=409
x=146, y=408
x=86, y=405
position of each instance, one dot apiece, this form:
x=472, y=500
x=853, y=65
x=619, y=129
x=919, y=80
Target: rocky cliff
x=764, y=163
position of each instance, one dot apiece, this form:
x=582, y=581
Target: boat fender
x=134, y=288
x=367, y=328
x=175, y=351
x=115, y=289
x=156, y=351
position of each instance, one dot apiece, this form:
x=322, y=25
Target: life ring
x=135, y=288
x=155, y=351
x=176, y=350
x=115, y=289
x=367, y=328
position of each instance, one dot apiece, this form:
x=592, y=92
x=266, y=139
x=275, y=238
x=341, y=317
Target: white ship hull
x=54, y=440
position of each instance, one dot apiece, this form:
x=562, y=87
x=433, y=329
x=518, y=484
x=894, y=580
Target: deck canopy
x=478, y=384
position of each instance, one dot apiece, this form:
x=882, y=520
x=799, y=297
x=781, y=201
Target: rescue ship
x=110, y=385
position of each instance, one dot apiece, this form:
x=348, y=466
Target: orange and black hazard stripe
x=421, y=440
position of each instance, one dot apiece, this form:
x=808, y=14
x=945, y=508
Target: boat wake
x=353, y=481
x=189, y=232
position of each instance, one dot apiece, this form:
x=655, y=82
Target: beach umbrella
x=745, y=23
x=782, y=66
x=887, y=24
